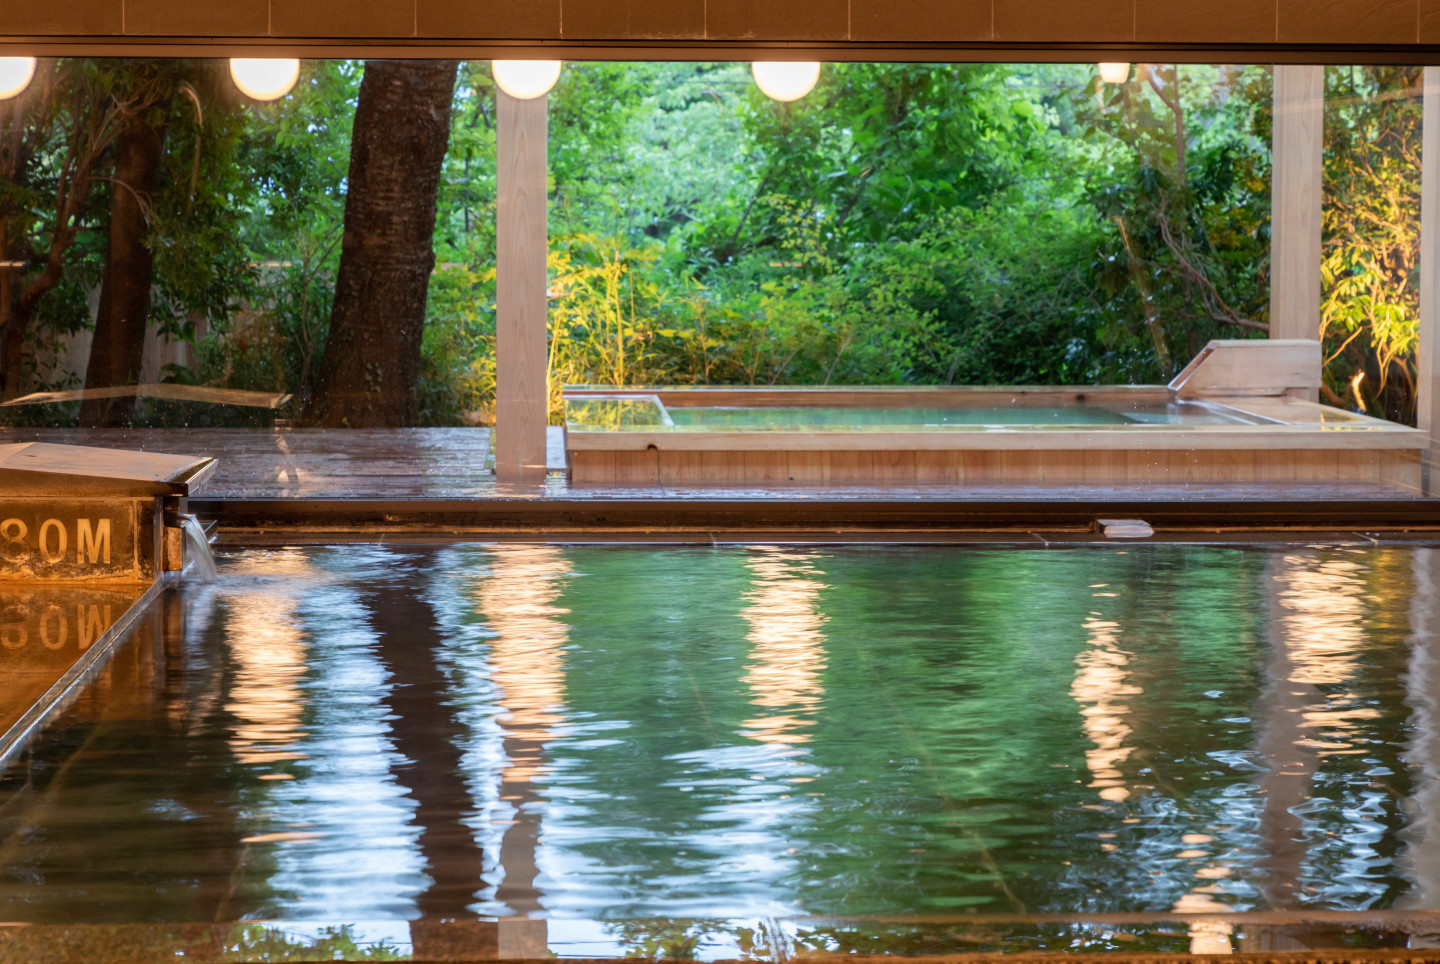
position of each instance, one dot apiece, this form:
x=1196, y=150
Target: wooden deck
x=450, y=464
x=313, y=463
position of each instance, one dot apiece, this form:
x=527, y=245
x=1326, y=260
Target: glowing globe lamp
x=264, y=79
x=15, y=75
x=526, y=79
x=1114, y=73
x=785, y=80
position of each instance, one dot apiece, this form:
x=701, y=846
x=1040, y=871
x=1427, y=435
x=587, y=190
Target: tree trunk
x=370, y=372
x=119, y=343
x=12, y=327
x=16, y=151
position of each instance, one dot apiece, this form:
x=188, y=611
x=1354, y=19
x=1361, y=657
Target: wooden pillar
x=1427, y=380
x=1295, y=199
x=521, y=362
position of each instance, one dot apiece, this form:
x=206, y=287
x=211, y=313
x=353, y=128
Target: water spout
x=198, y=548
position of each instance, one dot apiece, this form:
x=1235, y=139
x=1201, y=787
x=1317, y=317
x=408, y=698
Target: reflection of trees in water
x=427, y=736
x=1316, y=635
x=179, y=856
x=1421, y=859
x=1113, y=709
x=527, y=665
x=1329, y=734
x=787, y=647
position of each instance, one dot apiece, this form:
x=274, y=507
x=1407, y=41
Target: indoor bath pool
x=757, y=750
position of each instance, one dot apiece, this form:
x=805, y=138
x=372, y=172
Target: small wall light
x=785, y=80
x=15, y=75
x=526, y=79
x=264, y=79
x=1114, y=73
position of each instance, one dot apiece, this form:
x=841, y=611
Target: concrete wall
x=62, y=364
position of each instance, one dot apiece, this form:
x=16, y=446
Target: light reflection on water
x=527, y=666
x=371, y=733
x=1101, y=688
x=267, y=644
x=788, y=654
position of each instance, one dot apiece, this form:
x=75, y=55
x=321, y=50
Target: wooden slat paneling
x=85, y=18
x=1429, y=28
x=998, y=29
x=342, y=18
x=233, y=18
x=1204, y=21
x=1065, y=21
x=826, y=20
x=921, y=20
x=1347, y=21
x=497, y=19
x=636, y=19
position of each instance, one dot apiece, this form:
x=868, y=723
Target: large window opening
x=176, y=254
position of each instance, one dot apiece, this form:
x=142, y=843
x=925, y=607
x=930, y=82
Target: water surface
x=366, y=733
x=648, y=414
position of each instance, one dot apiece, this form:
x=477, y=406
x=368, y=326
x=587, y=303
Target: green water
x=369, y=733
x=635, y=414
x=779, y=418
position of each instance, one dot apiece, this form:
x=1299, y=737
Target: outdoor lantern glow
x=526, y=79
x=1114, y=73
x=15, y=74
x=785, y=80
x=264, y=79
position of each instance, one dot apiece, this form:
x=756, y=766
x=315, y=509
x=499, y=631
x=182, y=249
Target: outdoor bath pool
x=753, y=749
x=1241, y=413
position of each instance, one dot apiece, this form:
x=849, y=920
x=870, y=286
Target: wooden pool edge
x=902, y=464
x=18, y=735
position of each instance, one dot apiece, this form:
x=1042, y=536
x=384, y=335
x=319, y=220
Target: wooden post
x=1427, y=380
x=521, y=362
x=1295, y=164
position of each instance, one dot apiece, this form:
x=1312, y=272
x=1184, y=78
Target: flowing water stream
x=198, y=548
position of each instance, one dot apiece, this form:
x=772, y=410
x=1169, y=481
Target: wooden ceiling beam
x=1225, y=31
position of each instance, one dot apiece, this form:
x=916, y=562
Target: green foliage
x=55, y=189
x=663, y=938
x=878, y=146
x=903, y=223
x=294, y=156
x=201, y=266
x=258, y=942
x=1371, y=303
x=1185, y=208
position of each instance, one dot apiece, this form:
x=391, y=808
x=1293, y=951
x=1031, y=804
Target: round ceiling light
x=785, y=80
x=15, y=75
x=1114, y=73
x=526, y=79
x=262, y=78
